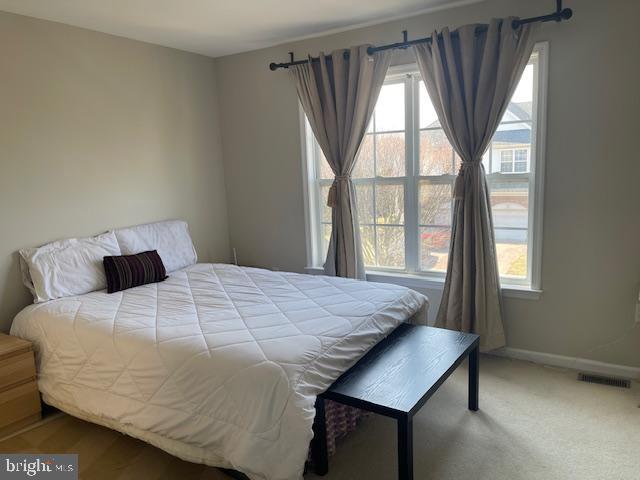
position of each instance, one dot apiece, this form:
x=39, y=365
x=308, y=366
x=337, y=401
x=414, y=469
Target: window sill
x=434, y=283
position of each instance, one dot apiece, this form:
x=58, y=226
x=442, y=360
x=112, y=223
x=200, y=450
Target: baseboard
x=574, y=363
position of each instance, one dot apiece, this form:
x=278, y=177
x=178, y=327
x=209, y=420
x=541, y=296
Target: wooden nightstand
x=19, y=397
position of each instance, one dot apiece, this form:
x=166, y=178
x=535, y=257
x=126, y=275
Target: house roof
x=521, y=135
x=514, y=133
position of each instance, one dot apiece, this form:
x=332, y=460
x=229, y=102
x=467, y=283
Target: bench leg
x=474, y=374
x=405, y=448
x=319, y=455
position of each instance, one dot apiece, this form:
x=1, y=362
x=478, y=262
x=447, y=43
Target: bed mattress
x=218, y=364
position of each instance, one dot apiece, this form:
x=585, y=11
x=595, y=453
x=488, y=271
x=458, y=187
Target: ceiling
x=221, y=27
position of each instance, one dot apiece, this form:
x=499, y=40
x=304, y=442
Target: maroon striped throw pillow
x=128, y=271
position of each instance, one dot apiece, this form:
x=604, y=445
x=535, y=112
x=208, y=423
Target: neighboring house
x=511, y=148
x=509, y=156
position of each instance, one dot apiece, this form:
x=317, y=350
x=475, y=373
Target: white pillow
x=67, y=267
x=170, y=238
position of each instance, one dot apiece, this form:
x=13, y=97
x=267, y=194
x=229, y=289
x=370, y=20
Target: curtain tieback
x=458, y=187
x=332, y=198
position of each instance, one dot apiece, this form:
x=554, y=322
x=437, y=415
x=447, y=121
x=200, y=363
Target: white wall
x=97, y=132
x=591, y=260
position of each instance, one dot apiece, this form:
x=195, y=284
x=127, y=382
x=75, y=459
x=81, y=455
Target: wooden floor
x=106, y=454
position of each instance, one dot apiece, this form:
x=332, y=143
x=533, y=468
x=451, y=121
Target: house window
x=520, y=159
x=404, y=179
x=506, y=161
x=514, y=160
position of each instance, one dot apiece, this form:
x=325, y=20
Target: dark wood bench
x=395, y=379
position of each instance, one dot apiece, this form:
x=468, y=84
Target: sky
x=389, y=113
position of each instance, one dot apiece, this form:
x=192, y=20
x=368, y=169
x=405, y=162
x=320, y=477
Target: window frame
x=412, y=179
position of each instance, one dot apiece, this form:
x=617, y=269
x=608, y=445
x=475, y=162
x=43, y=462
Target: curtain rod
x=559, y=15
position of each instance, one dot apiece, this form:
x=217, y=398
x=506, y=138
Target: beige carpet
x=535, y=423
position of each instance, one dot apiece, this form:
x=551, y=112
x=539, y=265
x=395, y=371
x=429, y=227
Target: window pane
x=506, y=167
x=458, y=164
x=325, y=169
x=434, y=248
x=367, y=236
x=390, y=155
x=390, y=246
x=364, y=162
x=515, y=129
x=428, y=116
x=506, y=161
x=510, y=204
x=508, y=139
x=486, y=160
x=389, y=204
x=364, y=194
x=326, y=236
x=520, y=167
x=511, y=246
x=436, y=154
x=389, y=112
x=324, y=209
x=512, y=140
x=522, y=100
x=521, y=160
x=435, y=203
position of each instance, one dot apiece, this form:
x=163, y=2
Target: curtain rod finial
x=273, y=66
x=566, y=14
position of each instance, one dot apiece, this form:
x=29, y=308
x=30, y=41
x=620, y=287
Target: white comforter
x=218, y=364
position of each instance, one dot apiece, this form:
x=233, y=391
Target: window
x=506, y=161
x=520, y=157
x=514, y=161
x=404, y=179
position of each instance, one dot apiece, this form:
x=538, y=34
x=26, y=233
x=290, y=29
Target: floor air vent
x=610, y=381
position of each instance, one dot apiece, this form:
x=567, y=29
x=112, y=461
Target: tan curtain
x=338, y=93
x=470, y=75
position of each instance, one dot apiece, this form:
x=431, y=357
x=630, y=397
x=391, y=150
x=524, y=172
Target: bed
x=218, y=364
